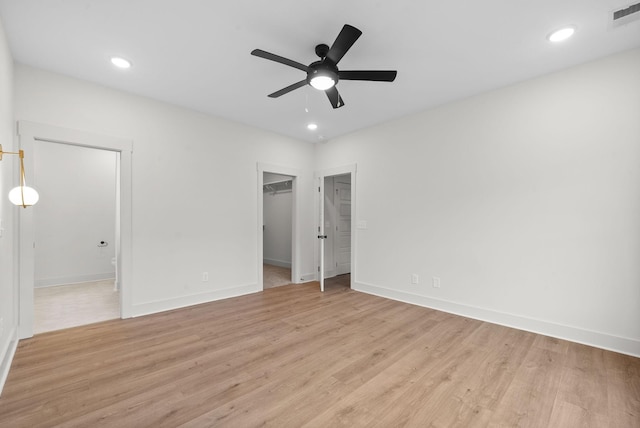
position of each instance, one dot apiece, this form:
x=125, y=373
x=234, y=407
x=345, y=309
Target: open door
x=321, y=235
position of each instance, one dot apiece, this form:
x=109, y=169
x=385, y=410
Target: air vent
x=626, y=15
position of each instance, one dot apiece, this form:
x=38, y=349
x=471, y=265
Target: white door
x=342, y=237
x=321, y=234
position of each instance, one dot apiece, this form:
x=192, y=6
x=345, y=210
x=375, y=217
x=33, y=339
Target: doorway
x=75, y=235
x=336, y=247
x=277, y=229
x=29, y=134
x=277, y=218
x=337, y=219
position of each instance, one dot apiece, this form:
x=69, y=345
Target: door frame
x=319, y=177
x=295, y=216
x=28, y=133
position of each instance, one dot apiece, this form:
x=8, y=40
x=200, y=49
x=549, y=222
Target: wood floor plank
x=566, y=415
x=529, y=400
x=623, y=388
x=430, y=393
x=291, y=356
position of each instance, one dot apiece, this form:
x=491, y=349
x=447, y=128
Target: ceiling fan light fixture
x=324, y=74
x=312, y=127
x=322, y=82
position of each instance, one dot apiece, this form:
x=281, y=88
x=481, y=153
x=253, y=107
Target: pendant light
x=22, y=195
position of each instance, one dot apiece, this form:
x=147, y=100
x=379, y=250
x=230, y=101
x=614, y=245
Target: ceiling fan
x=324, y=74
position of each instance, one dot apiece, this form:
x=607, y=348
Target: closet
x=277, y=229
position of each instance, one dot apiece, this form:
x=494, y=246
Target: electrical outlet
x=436, y=282
x=205, y=276
x=415, y=279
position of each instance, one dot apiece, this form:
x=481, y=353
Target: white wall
x=277, y=224
x=524, y=201
x=194, y=190
x=76, y=211
x=8, y=178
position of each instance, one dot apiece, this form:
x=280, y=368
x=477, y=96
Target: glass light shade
x=322, y=82
x=30, y=195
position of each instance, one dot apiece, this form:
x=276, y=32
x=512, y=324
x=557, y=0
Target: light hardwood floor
x=72, y=305
x=291, y=356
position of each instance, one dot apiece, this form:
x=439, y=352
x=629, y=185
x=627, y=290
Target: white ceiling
x=196, y=53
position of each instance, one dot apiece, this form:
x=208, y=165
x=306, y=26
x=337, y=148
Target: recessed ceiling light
x=561, y=34
x=120, y=62
x=312, y=127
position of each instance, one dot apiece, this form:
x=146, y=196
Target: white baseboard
x=192, y=299
x=280, y=263
x=7, y=351
x=592, y=338
x=51, y=282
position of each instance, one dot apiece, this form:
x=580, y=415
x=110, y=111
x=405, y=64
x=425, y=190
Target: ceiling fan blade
x=288, y=89
x=277, y=58
x=347, y=37
x=372, y=75
x=334, y=97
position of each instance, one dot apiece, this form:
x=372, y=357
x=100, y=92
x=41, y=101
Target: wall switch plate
x=436, y=282
x=362, y=224
x=415, y=279
x=205, y=276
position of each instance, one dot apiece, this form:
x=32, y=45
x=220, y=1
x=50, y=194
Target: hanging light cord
x=22, y=177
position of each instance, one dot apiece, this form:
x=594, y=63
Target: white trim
x=351, y=169
x=573, y=334
x=74, y=137
x=156, y=306
x=28, y=133
x=67, y=280
x=295, y=219
x=8, y=351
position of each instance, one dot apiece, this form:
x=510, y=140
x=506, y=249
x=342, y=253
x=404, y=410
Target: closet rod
x=277, y=182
